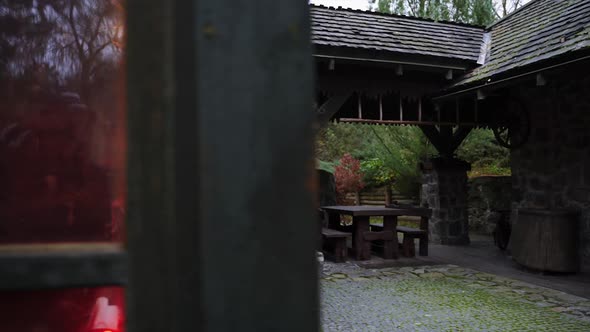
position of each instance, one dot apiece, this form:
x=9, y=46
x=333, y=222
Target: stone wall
x=552, y=170
x=444, y=190
x=487, y=196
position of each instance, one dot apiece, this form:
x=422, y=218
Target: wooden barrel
x=546, y=240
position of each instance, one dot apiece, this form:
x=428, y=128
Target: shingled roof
x=538, y=31
x=394, y=33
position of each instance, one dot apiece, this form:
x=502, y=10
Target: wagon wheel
x=512, y=127
x=502, y=230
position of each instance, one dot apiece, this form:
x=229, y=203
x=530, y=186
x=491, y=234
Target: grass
x=401, y=221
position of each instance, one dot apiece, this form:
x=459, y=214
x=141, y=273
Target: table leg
x=391, y=249
x=362, y=248
x=423, y=246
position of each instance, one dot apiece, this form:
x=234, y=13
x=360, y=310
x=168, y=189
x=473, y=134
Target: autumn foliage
x=348, y=176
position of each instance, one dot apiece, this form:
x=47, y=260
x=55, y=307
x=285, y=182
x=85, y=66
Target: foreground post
x=222, y=233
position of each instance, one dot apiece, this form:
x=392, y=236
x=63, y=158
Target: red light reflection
x=68, y=310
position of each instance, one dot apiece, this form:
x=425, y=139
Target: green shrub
x=486, y=156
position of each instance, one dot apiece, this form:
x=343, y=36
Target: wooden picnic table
x=361, y=233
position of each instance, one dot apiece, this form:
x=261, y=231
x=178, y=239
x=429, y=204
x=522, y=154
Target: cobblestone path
x=442, y=298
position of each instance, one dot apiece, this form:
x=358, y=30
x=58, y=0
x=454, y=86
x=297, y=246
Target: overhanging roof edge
x=388, y=57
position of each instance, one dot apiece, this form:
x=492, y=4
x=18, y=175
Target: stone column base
x=444, y=190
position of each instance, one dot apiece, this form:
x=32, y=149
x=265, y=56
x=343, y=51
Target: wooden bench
x=410, y=234
x=334, y=243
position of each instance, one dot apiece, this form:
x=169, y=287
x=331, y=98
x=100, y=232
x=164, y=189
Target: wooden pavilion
x=526, y=77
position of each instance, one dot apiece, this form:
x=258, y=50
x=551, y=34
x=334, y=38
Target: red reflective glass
x=62, y=151
x=71, y=310
x=62, y=121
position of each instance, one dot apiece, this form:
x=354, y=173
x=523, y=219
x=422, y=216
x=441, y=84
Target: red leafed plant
x=348, y=176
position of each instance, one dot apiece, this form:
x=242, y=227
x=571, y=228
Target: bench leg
x=408, y=246
x=423, y=250
x=340, y=250
x=335, y=249
x=390, y=248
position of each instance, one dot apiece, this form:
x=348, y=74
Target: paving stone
x=484, y=276
x=544, y=304
x=360, y=279
x=569, y=298
x=558, y=309
x=535, y=297
x=432, y=275
x=457, y=271
x=399, y=300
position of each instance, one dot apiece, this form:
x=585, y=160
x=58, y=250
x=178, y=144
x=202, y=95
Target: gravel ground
x=442, y=298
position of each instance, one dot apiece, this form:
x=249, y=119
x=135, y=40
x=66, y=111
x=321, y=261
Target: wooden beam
x=444, y=140
x=401, y=108
x=331, y=107
x=399, y=70
x=449, y=74
x=458, y=136
x=384, y=235
x=385, y=57
x=380, y=108
x=480, y=94
x=360, y=107
x=434, y=137
x=419, y=109
x=364, y=77
x=47, y=266
x=540, y=80
x=407, y=122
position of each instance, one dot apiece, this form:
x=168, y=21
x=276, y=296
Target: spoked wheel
x=502, y=230
x=512, y=127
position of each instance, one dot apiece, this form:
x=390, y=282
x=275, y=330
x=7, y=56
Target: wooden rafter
x=327, y=110
x=444, y=139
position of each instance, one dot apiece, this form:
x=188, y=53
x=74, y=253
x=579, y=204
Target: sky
x=354, y=4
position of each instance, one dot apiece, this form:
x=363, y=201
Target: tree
x=24, y=34
x=505, y=7
x=484, y=154
x=336, y=139
x=389, y=155
x=480, y=12
x=87, y=37
x=348, y=176
x=77, y=38
x=399, y=149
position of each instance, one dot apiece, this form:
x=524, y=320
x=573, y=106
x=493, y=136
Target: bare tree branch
x=411, y=5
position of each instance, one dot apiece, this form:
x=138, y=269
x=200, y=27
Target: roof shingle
x=394, y=33
x=541, y=30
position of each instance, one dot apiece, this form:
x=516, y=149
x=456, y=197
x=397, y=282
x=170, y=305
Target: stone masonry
x=444, y=190
x=552, y=170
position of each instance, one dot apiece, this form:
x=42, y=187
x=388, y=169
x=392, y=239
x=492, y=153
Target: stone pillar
x=444, y=190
